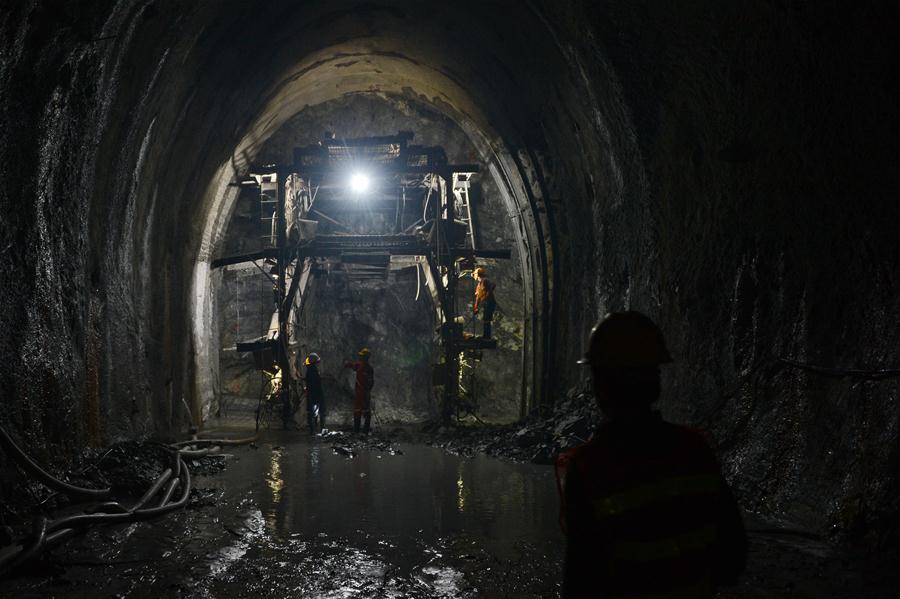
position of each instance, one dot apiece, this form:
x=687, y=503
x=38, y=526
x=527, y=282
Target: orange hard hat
x=626, y=340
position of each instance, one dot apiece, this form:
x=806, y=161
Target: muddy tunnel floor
x=294, y=516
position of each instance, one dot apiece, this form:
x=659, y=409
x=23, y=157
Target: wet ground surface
x=299, y=518
x=343, y=517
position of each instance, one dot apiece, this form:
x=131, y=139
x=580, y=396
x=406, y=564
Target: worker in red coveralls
x=362, y=398
x=646, y=511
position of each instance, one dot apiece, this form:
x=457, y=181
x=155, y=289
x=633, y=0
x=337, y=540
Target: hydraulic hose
x=243, y=441
x=153, y=490
x=182, y=501
x=30, y=466
x=108, y=507
x=38, y=537
x=55, y=537
x=79, y=520
x=177, y=462
x=199, y=453
x=47, y=533
x=169, y=491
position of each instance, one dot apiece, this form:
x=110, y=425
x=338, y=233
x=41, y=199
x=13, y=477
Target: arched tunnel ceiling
x=375, y=66
x=309, y=54
x=361, y=66
x=457, y=67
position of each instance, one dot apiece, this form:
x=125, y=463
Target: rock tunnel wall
x=83, y=279
x=730, y=170
x=768, y=208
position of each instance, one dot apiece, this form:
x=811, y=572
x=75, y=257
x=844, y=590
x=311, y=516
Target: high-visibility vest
x=647, y=514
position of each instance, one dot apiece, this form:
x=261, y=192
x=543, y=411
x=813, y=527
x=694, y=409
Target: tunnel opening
x=355, y=244
x=507, y=218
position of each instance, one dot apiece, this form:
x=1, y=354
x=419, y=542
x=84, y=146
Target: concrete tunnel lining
x=330, y=74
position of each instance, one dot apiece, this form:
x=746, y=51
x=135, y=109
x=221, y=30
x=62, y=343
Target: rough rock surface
x=539, y=438
x=730, y=169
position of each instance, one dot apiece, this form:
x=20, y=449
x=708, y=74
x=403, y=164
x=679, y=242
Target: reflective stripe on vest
x=669, y=547
x=645, y=495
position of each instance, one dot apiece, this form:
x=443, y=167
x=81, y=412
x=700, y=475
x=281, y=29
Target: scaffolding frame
x=443, y=246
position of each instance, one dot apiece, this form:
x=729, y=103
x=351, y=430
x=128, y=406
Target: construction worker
x=645, y=508
x=484, y=296
x=362, y=398
x=315, y=398
x=279, y=399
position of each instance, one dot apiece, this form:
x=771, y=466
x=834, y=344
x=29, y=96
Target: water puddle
x=297, y=518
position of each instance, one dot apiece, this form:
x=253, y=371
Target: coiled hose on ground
x=48, y=532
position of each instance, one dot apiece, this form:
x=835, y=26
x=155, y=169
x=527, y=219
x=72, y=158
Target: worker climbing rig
x=308, y=237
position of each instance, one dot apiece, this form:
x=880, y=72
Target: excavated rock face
x=341, y=316
x=729, y=170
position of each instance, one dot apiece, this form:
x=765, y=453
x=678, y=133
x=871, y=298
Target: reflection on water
x=460, y=491
x=298, y=520
x=274, y=480
x=423, y=493
x=445, y=581
x=274, y=514
x=225, y=557
x=314, y=459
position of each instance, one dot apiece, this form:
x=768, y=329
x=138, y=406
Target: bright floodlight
x=359, y=182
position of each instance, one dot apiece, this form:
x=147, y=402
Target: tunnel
x=729, y=170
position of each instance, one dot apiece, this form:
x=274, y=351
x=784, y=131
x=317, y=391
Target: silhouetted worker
x=484, y=296
x=362, y=398
x=315, y=398
x=645, y=508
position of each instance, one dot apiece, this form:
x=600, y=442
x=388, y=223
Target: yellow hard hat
x=626, y=340
x=479, y=272
x=364, y=351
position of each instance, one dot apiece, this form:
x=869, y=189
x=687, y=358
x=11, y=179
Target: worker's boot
x=487, y=330
x=367, y=423
x=356, y=419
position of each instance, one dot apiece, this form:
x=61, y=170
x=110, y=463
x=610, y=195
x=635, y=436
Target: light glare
x=359, y=182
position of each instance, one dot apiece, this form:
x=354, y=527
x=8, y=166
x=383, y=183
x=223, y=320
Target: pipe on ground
x=46, y=533
x=153, y=490
x=79, y=520
x=199, y=453
x=189, y=442
x=30, y=466
x=36, y=544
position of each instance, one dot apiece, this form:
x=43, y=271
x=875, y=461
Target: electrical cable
x=874, y=375
x=418, y=281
